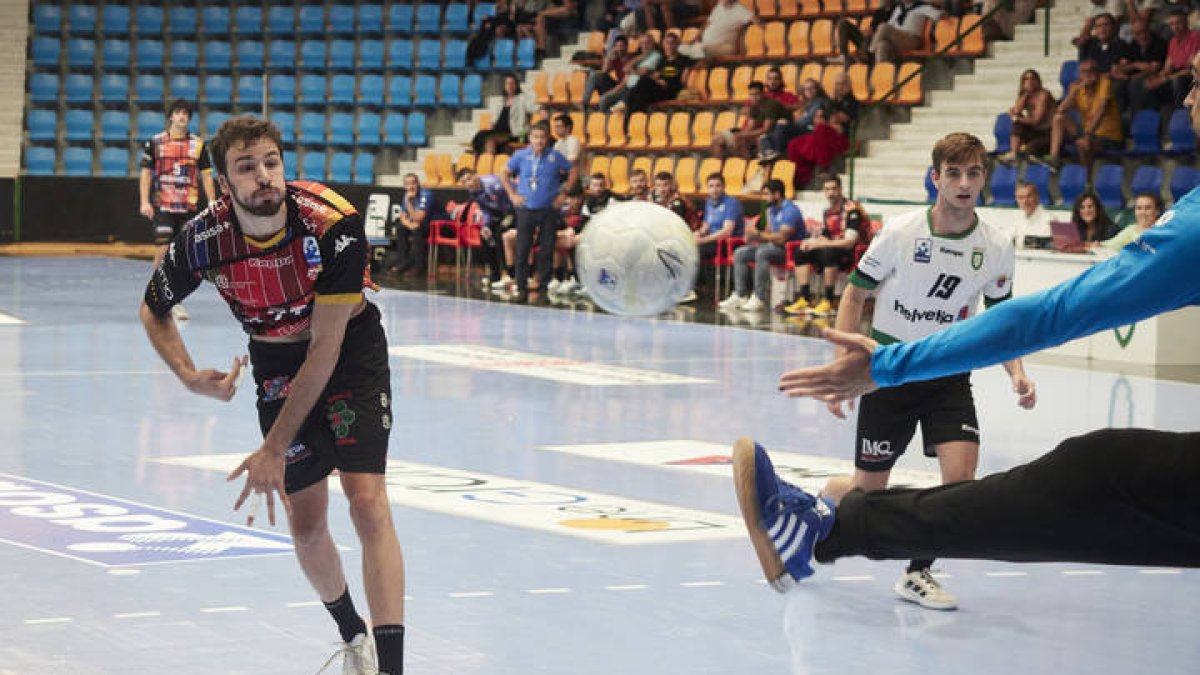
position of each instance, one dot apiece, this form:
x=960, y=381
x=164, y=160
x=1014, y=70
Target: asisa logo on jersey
x=922, y=250
x=312, y=252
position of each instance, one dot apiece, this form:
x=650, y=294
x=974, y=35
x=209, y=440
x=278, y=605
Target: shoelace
x=780, y=504
x=346, y=651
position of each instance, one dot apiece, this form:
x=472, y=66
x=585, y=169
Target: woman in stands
x=511, y=119
x=1147, y=207
x=1091, y=219
x=1031, y=117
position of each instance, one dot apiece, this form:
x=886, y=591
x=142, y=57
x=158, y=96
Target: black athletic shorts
x=841, y=258
x=349, y=425
x=887, y=419
x=168, y=224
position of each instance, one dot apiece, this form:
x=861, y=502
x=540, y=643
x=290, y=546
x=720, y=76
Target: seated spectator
x=843, y=98
x=844, y=225
x=759, y=116
x=670, y=12
x=780, y=223
x=665, y=82
x=666, y=194
x=570, y=228
x=722, y=219
x=1103, y=47
x=1093, y=222
x=847, y=32
x=647, y=61
x=558, y=15
x=1099, y=129
x=828, y=141
x=567, y=143
x=1003, y=24
x=597, y=196
x=1032, y=116
x=639, y=187
x=776, y=89
x=773, y=143
x=903, y=31
x=496, y=215
x=722, y=34
x=523, y=14
x=510, y=115
x=1153, y=12
x=1176, y=71
x=1032, y=226
x=412, y=232
x=1113, y=8
x=610, y=73
x=1143, y=59
x=1147, y=207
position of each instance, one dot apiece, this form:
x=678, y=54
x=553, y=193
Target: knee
x=306, y=530
x=370, y=510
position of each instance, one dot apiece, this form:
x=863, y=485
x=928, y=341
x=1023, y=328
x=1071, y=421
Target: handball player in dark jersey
x=291, y=260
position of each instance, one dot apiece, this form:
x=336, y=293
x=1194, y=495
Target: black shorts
x=349, y=425
x=887, y=419
x=167, y=224
x=841, y=258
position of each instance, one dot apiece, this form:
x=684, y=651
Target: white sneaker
x=179, y=313
x=920, y=587
x=753, y=304
x=358, y=657
x=734, y=301
x=569, y=286
x=503, y=285
x=554, y=287
x=690, y=297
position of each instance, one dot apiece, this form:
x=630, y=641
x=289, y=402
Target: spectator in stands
x=722, y=34
x=759, y=116
x=1032, y=116
x=779, y=223
x=847, y=32
x=597, y=196
x=1113, y=8
x=610, y=73
x=539, y=172
x=1147, y=207
x=647, y=61
x=639, y=187
x=844, y=226
x=523, y=14
x=774, y=142
x=843, y=98
x=665, y=82
x=496, y=215
x=555, y=15
x=1003, y=24
x=671, y=12
x=1182, y=47
x=566, y=142
x=1143, y=59
x=412, y=232
x=666, y=194
x=722, y=219
x=510, y=119
x=776, y=89
x=1099, y=129
x=1103, y=47
x=1093, y=222
x=828, y=141
x=480, y=43
x=570, y=227
x=1031, y=228
x=903, y=31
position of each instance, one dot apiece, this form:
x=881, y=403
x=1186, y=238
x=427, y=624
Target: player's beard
x=263, y=208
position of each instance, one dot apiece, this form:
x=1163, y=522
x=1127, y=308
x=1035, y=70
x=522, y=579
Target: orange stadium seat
x=485, y=120
x=645, y=163
x=748, y=4
x=637, y=131
x=559, y=93
x=944, y=33
x=618, y=174
x=788, y=9
x=718, y=85
x=828, y=77
x=599, y=166
x=766, y=8
x=484, y=163
x=446, y=169
x=811, y=71
x=710, y=165
x=760, y=72
x=685, y=175
x=859, y=72
x=664, y=164
x=775, y=39
x=656, y=34
x=656, y=130
x=973, y=43
x=595, y=42
x=433, y=177
x=797, y=38
x=791, y=73
x=740, y=85
x=911, y=93
x=857, y=7
x=833, y=8
x=726, y=120
x=678, y=130
x=785, y=171
x=595, y=130
x=734, y=172
x=811, y=8
x=883, y=78
x=541, y=88
x=753, y=45
x=696, y=81
x=616, y=130
x=820, y=39
x=577, y=126
x=690, y=34
x=927, y=46
x=500, y=162
x=465, y=161
x=576, y=84
x=702, y=128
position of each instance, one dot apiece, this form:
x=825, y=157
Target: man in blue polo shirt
x=412, y=227
x=765, y=245
x=539, y=171
x=722, y=218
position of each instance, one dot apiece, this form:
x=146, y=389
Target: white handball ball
x=637, y=259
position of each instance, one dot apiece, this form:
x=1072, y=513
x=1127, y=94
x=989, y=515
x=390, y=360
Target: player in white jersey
x=927, y=270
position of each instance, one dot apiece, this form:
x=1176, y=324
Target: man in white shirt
x=567, y=143
x=722, y=34
x=1033, y=220
x=904, y=30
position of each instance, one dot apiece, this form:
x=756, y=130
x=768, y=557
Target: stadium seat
x=615, y=130
x=400, y=91
x=416, y=129
x=341, y=89
x=425, y=91
x=81, y=19
x=341, y=55
x=312, y=90
x=148, y=89
x=400, y=19
x=685, y=175
x=618, y=173
x=455, y=57
x=148, y=19
x=1039, y=176
x=364, y=168
x=312, y=128
x=797, y=39
x=1072, y=181
x=636, y=131
x=734, y=172
x=214, y=20
x=281, y=20
x=911, y=92
x=281, y=90
x=370, y=55
x=370, y=19
x=370, y=91
x=820, y=39
x=753, y=46
x=526, y=54
x=1066, y=75
x=149, y=56
x=286, y=121
x=931, y=191
x=663, y=164
x=47, y=19
x=1143, y=131
x=718, y=85
x=785, y=171
x=250, y=91
x=429, y=18
x=43, y=87
x=247, y=20
x=213, y=121
x=341, y=128
x=184, y=56
x=367, y=130
x=77, y=89
x=1146, y=179
x=115, y=56
x=114, y=19
x=80, y=125
x=311, y=20
x=42, y=124
x=775, y=40
x=457, y=19
x=186, y=87
x=504, y=57
x=182, y=21
x=450, y=90
x=883, y=78
x=312, y=167
x=114, y=162
x=39, y=161
x=678, y=130
x=472, y=90
x=859, y=74
x=45, y=52
x=281, y=56
x=400, y=55
x=541, y=89
x=341, y=167
x=596, y=136
x=429, y=53
x=341, y=19
x=81, y=54
x=313, y=55
x=218, y=90
x=393, y=128
x=483, y=10
x=250, y=55
x=1108, y=185
x=218, y=56
x=1184, y=180
x=1179, y=130
x=77, y=161
x=1002, y=130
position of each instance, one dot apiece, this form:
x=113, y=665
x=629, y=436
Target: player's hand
x=847, y=377
x=518, y=201
x=147, y=211
x=1026, y=391
x=264, y=470
x=835, y=408
x=215, y=383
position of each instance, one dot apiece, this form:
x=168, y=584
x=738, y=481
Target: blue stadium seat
x=341, y=89
x=312, y=167
x=1002, y=130
x=425, y=91
x=281, y=55
x=186, y=87
x=148, y=89
x=368, y=129
x=183, y=21
x=250, y=55
x=400, y=54
x=400, y=19
x=457, y=18
x=364, y=168
x=114, y=162
x=455, y=56
x=114, y=126
x=312, y=89
x=527, y=54
x=149, y=56
x=1179, y=130
x=286, y=122
x=149, y=19
x=78, y=89
x=311, y=20
x=472, y=90
x=341, y=19
x=370, y=19
x=1146, y=179
x=1108, y=185
x=1143, y=130
x=429, y=18
x=184, y=56
x=213, y=121
x=400, y=91
x=931, y=191
x=81, y=19
x=1072, y=181
x=282, y=91
x=429, y=54
x=450, y=90
x=42, y=124
x=115, y=56
x=77, y=161
x=43, y=87
x=1004, y=185
x=281, y=20
x=81, y=53
x=218, y=90
x=393, y=129
x=39, y=160
x=483, y=10
x=504, y=55
x=370, y=91
x=47, y=19
x=250, y=91
x=1184, y=180
x=416, y=129
x=114, y=19
x=80, y=125
x=45, y=52
x=247, y=20
x=215, y=20
x=114, y=89
x=1066, y=75
x=341, y=128
x=341, y=55
x=370, y=55
x=218, y=56
x=341, y=167
x=313, y=55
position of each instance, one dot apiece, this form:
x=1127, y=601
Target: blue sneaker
x=784, y=522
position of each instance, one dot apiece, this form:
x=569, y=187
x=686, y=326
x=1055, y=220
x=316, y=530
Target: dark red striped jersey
x=321, y=255
x=176, y=165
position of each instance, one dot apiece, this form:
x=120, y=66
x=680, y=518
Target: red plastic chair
x=723, y=260
x=444, y=233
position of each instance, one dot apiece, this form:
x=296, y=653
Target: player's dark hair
x=775, y=186
x=181, y=104
x=566, y=120
x=1154, y=196
x=830, y=178
x=663, y=175
x=241, y=130
x=958, y=148
x=716, y=175
x=756, y=85
x=463, y=173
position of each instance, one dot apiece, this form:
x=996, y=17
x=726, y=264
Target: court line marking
x=627, y=587
x=135, y=615
x=701, y=584
x=1082, y=573
x=865, y=577
x=472, y=594
x=56, y=619
x=1007, y=574
x=306, y=603
x=1161, y=571
x=548, y=591
x=219, y=610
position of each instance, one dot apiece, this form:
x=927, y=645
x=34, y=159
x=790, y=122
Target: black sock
x=918, y=565
x=349, y=623
x=560, y=273
x=804, y=291
x=829, y=293
x=512, y=272
x=389, y=645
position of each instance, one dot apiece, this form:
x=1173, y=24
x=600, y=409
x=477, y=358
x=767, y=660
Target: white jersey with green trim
x=925, y=281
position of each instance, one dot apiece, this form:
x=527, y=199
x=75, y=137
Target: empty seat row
x=1143, y=141
x=114, y=125
x=392, y=129
x=1108, y=183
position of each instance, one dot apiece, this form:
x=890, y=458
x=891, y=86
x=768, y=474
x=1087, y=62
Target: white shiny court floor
x=560, y=491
